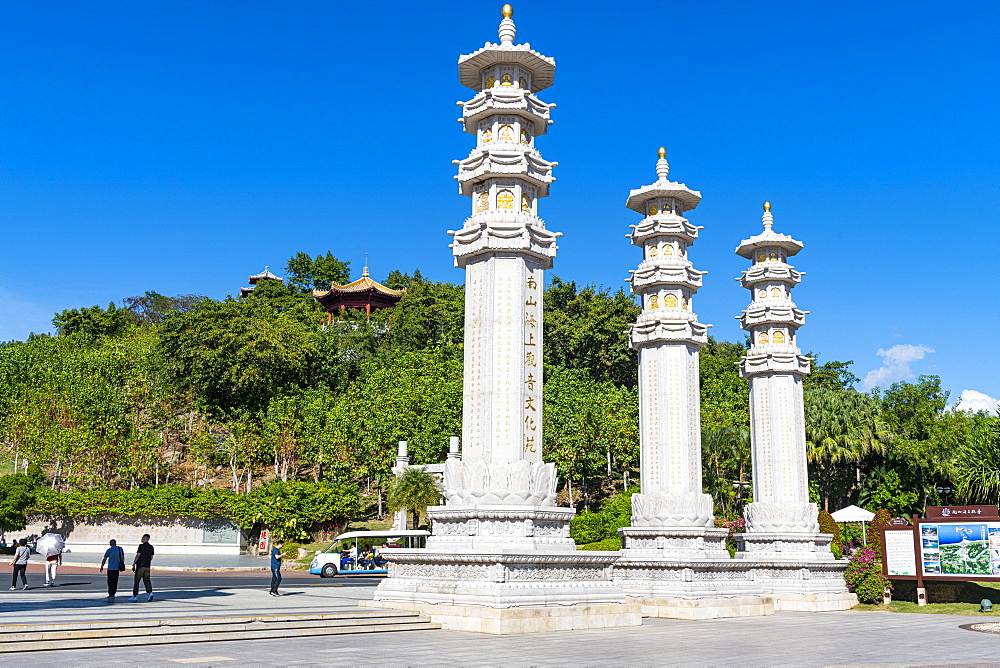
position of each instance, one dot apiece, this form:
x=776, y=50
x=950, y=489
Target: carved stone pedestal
x=505, y=569
x=797, y=569
x=805, y=586
x=507, y=591
x=506, y=527
x=660, y=578
x=673, y=543
x=784, y=546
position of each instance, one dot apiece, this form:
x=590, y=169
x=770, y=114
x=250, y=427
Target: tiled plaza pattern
x=785, y=639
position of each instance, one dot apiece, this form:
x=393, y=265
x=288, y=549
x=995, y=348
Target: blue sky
x=181, y=146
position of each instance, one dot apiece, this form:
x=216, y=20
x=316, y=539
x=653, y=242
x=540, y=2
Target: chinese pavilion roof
x=264, y=274
x=359, y=293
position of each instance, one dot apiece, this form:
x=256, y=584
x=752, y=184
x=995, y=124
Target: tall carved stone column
x=500, y=541
x=781, y=521
x=674, y=561
x=668, y=336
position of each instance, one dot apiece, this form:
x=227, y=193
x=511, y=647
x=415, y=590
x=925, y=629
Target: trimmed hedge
x=288, y=509
x=881, y=519
x=828, y=525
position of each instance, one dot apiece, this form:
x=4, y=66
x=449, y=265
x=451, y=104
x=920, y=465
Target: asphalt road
x=86, y=580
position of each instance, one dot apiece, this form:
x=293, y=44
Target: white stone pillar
x=505, y=249
x=668, y=336
x=500, y=541
x=781, y=521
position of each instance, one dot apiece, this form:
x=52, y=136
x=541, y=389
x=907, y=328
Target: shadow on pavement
x=101, y=602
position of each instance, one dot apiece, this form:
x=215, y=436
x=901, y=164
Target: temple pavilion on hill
x=363, y=293
x=265, y=275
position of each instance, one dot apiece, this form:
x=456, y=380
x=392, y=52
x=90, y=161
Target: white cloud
x=971, y=401
x=896, y=365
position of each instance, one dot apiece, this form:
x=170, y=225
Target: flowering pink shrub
x=864, y=576
x=734, y=526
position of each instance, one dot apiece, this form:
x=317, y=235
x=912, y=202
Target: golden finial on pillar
x=662, y=152
x=507, y=12
x=767, y=206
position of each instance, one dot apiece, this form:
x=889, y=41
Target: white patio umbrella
x=854, y=514
x=50, y=544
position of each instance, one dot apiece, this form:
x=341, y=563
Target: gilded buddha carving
x=505, y=199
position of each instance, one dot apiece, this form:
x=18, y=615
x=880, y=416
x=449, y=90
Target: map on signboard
x=900, y=555
x=971, y=549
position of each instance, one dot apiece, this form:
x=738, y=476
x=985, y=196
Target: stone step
x=168, y=631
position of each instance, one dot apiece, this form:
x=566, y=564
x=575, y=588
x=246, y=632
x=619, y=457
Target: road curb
x=179, y=569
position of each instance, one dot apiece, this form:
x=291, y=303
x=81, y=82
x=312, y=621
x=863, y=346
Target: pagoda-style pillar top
x=650, y=200
x=768, y=240
x=537, y=73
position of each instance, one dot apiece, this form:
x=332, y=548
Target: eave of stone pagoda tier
x=663, y=224
x=770, y=271
x=665, y=272
x=774, y=358
x=768, y=239
x=506, y=101
x=498, y=232
x=470, y=66
x=662, y=188
x=760, y=313
x=502, y=159
x=667, y=324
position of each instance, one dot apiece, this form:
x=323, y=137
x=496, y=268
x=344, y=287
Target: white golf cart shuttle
x=337, y=558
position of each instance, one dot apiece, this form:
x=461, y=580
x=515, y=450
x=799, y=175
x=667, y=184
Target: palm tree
x=726, y=460
x=842, y=426
x=978, y=470
x=414, y=489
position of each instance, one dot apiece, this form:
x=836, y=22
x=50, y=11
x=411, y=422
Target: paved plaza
x=81, y=597
x=785, y=639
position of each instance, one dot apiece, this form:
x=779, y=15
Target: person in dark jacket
x=140, y=567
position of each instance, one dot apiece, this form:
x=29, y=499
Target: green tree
x=725, y=396
x=591, y=432
x=726, y=464
x=237, y=354
x=152, y=307
x=415, y=489
x=926, y=438
x=587, y=329
x=291, y=509
x=95, y=321
x=305, y=273
x=830, y=375
x=842, y=426
x=429, y=315
x=978, y=464
x=17, y=494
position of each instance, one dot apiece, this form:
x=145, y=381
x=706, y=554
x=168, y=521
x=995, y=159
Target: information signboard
x=952, y=543
x=960, y=549
x=960, y=512
x=899, y=552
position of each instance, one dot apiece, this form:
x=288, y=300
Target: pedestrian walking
x=276, y=557
x=114, y=556
x=140, y=567
x=20, y=563
x=53, y=560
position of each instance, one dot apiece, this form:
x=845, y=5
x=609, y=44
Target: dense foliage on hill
x=236, y=393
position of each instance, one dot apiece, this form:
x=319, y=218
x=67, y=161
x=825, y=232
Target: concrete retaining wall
x=174, y=535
